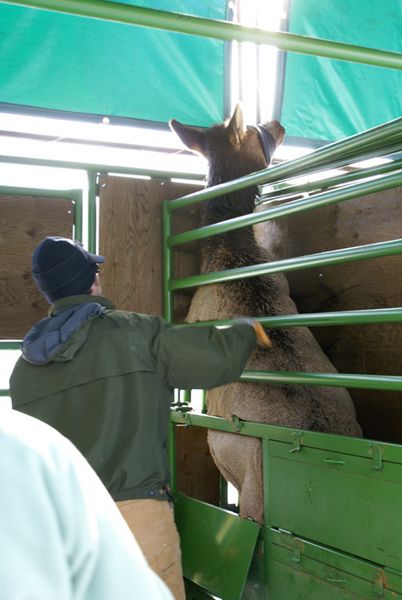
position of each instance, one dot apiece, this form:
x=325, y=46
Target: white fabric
x=61, y=535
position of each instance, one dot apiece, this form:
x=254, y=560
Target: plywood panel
x=196, y=473
x=371, y=349
x=24, y=222
x=130, y=237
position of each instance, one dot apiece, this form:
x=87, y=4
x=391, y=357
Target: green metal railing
x=352, y=149
x=282, y=190
x=332, y=257
x=324, y=199
x=384, y=139
x=379, y=139
x=222, y=30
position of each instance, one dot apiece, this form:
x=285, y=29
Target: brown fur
x=232, y=151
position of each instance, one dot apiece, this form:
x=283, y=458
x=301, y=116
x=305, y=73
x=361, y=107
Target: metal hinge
x=375, y=451
x=378, y=586
x=294, y=543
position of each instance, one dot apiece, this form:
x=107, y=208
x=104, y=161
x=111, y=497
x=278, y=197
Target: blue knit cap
x=62, y=267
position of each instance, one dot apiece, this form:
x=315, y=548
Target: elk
x=232, y=150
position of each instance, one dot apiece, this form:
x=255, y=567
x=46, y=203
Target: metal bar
x=266, y=487
x=323, y=199
x=167, y=264
x=222, y=30
x=78, y=214
x=99, y=167
x=92, y=194
x=291, y=168
x=312, y=439
x=346, y=317
x=10, y=344
x=4, y=393
x=282, y=189
x=171, y=450
x=370, y=382
x=336, y=154
x=332, y=257
x=70, y=194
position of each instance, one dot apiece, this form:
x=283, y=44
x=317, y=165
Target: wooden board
x=371, y=349
x=130, y=237
x=24, y=222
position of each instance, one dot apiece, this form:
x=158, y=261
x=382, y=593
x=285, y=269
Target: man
x=104, y=378
x=61, y=535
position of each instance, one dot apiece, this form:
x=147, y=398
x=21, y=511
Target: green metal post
x=171, y=448
x=167, y=264
x=266, y=501
x=78, y=209
x=222, y=30
x=92, y=195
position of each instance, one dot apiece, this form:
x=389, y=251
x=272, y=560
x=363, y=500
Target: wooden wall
x=24, y=222
x=371, y=349
x=130, y=237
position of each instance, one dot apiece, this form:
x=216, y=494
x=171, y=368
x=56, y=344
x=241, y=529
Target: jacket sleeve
x=203, y=356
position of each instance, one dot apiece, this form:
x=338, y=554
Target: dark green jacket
x=104, y=378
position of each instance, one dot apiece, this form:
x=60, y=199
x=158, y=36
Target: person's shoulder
x=134, y=319
x=23, y=434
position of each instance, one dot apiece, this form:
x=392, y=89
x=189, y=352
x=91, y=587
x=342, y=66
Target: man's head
x=61, y=267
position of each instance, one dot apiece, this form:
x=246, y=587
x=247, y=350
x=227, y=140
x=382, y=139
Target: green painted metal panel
x=217, y=546
x=394, y=579
x=296, y=439
x=329, y=99
x=194, y=592
x=301, y=569
x=69, y=63
x=339, y=499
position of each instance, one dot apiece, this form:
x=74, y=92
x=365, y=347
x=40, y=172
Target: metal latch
x=297, y=438
x=236, y=423
x=335, y=579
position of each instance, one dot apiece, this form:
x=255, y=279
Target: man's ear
x=191, y=136
x=96, y=287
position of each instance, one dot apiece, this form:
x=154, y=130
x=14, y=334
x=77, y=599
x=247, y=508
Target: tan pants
x=153, y=526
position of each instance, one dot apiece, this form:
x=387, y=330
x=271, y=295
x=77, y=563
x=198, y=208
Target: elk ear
x=236, y=128
x=192, y=137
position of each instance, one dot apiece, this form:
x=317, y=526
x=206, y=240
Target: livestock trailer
x=331, y=216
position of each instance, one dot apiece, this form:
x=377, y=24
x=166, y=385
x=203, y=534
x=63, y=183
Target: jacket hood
x=60, y=336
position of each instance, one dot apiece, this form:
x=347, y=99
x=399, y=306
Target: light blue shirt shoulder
x=62, y=536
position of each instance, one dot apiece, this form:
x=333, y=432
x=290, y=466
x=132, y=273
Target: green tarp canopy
x=326, y=100
x=87, y=66
x=59, y=62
